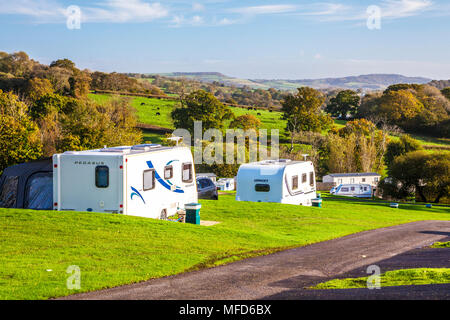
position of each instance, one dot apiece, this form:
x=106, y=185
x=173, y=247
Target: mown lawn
x=406, y=277
x=37, y=247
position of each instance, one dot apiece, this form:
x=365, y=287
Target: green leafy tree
x=201, y=106
x=63, y=63
x=446, y=92
x=428, y=174
x=79, y=84
x=302, y=112
x=345, y=103
x=401, y=147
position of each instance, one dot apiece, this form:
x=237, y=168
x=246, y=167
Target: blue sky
x=247, y=38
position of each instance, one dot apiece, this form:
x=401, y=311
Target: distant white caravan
x=353, y=190
x=281, y=181
x=144, y=180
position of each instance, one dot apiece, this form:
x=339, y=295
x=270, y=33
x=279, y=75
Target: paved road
x=282, y=275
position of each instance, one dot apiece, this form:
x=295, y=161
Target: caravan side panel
x=87, y=183
x=155, y=187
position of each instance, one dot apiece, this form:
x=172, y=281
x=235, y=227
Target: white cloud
x=268, y=9
x=179, y=20
x=404, y=8
x=124, y=11
x=198, y=7
x=39, y=9
x=105, y=11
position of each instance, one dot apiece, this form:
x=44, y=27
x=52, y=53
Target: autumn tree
x=246, y=122
x=37, y=88
x=19, y=136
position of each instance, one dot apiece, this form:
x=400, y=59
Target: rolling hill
x=364, y=82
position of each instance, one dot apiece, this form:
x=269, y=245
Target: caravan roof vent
x=285, y=160
x=123, y=150
x=145, y=147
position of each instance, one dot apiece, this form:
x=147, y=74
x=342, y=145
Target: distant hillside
x=440, y=84
x=364, y=82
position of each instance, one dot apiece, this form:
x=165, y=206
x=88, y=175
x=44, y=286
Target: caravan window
x=311, y=179
x=102, y=177
x=304, y=178
x=168, y=172
x=295, y=183
x=187, y=173
x=262, y=188
x=149, y=180
x=344, y=189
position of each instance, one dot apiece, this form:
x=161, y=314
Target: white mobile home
x=145, y=180
x=225, y=184
x=353, y=178
x=281, y=181
x=353, y=190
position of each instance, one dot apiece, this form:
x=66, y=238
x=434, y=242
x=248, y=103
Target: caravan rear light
x=121, y=167
x=121, y=206
x=55, y=166
x=55, y=204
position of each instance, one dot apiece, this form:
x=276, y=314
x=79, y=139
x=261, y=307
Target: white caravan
x=225, y=184
x=353, y=190
x=281, y=181
x=145, y=180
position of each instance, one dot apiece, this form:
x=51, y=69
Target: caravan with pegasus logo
x=145, y=180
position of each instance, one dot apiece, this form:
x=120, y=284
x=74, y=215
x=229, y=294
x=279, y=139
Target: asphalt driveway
x=284, y=275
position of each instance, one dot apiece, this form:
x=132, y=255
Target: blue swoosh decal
x=136, y=193
x=162, y=181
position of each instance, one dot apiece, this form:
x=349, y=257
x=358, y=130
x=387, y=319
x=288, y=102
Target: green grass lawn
x=37, y=247
x=405, y=277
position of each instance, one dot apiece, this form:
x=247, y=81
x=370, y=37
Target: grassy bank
x=407, y=277
x=37, y=247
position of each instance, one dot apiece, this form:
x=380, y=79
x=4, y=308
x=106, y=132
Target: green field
x=37, y=247
x=147, y=109
x=407, y=277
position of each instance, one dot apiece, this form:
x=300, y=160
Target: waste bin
x=193, y=213
x=317, y=202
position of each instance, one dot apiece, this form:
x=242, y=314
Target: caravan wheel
x=163, y=215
